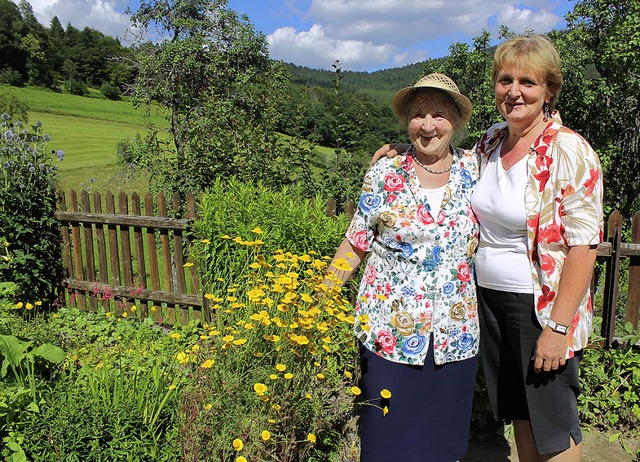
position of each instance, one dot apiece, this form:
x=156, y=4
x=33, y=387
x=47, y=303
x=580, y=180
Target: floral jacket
x=564, y=208
x=418, y=278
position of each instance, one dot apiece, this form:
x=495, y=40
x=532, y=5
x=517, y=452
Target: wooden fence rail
x=114, y=255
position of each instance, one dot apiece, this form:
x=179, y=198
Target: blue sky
x=365, y=35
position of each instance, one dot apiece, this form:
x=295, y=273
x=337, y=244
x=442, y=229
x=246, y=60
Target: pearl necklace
x=435, y=172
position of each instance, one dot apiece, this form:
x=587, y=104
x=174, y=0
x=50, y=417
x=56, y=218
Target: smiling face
x=432, y=120
x=520, y=96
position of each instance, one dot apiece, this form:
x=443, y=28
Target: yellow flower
x=356, y=391
x=306, y=298
x=241, y=459
x=342, y=265
x=108, y=314
x=133, y=308
x=348, y=374
x=266, y=436
x=276, y=407
x=288, y=376
x=38, y=303
x=209, y=296
x=385, y=410
x=124, y=314
x=174, y=335
x=273, y=377
x=172, y=387
x=240, y=341
x=28, y=306
x=281, y=367
x=257, y=230
x=320, y=375
x=260, y=388
x=386, y=394
x=207, y=364
x=188, y=264
x=19, y=305
x=154, y=309
x=228, y=338
x=182, y=358
x=205, y=241
x=311, y=437
x=238, y=444
x=208, y=406
x=308, y=395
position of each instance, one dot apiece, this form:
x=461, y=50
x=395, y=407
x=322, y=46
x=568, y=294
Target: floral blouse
x=564, y=208
x=418, y=278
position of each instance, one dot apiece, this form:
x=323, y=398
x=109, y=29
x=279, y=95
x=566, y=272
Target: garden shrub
x=119, y=396
x=285, y=219
x=110, y=91
x=276, y=367
x=28, y=227
x=610, y=382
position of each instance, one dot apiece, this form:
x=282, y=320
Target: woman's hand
x=550, y=352
x=388, y=150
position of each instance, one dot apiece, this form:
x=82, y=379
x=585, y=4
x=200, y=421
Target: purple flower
x=60, y=154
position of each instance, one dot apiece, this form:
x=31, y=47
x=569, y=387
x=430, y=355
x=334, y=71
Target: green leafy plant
x=28, y=229
x=291, y=223
x=610, y=382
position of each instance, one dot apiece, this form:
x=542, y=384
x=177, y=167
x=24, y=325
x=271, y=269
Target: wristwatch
x=559, y=328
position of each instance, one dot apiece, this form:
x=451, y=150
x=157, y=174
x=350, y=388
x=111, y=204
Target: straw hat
x=403, y=97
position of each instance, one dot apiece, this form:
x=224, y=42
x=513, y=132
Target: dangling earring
x=547, y=113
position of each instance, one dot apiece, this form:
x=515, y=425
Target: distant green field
x=87, y=130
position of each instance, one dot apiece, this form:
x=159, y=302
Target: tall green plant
x=28, y=182
x=280, y=219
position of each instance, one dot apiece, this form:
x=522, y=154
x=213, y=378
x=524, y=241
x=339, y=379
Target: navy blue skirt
x=429, y=412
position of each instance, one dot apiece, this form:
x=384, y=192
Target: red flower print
x=393, y=182
x=424, y=216
x=542, y=177
x=407, y=163
x=386, y=342
x=543, y=300
x=441, y=217
x=370, y=275
x=464, y=272
x=550, y=234
x=391, y=198
x=590, y=184
x=360, y=240
x=548, y=265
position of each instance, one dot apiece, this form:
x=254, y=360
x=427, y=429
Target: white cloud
x=313, y=48
x=107, y=16
x=368, y=34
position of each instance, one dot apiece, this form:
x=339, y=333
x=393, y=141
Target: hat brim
x=403, y=97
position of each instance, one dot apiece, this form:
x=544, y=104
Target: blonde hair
x=536, y=54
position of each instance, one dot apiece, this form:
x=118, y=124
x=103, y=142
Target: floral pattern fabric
x=564, y=208
x=418, y=280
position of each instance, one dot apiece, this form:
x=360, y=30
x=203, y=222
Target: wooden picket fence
x=136, y=256
x=111, y=257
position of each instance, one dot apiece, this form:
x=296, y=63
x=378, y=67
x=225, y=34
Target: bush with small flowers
x=275, y=368
x=28, y=228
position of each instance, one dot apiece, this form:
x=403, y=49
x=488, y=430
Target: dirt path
x=597, y=448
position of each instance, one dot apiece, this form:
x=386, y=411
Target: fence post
x=611, y=280
x=633, y=300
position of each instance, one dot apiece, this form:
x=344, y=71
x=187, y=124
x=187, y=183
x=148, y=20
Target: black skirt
x=429, y=412
x=509, y=330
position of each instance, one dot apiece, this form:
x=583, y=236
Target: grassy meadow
x=87, y=129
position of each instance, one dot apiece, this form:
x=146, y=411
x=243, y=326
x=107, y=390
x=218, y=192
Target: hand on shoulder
x=388, y=150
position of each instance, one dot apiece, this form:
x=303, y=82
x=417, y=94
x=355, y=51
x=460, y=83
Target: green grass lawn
x=87, y=130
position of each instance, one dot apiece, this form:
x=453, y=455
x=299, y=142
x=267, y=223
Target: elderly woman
x=539, y=205
x=416, y=313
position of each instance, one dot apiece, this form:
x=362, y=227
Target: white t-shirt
x=502, y=262
x=433, y=198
